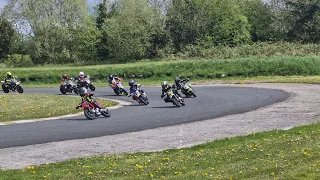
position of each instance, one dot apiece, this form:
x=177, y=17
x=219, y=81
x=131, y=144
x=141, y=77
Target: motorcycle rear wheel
x=90, y=115
x=5, y=89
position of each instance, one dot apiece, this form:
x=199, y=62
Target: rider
x=179, y=82
x=88, y=97
x=112, y=79
x=64, y=77
x=81, y=83
x=8, y=77
x=165, y=88
x=134, y=87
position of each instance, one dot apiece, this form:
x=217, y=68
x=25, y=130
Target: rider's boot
x=98, y=111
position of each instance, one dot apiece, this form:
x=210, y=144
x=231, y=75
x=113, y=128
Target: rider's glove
x=162, y=96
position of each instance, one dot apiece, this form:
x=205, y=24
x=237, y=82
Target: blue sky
x=90, y=3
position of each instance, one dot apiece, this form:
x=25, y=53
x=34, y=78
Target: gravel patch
x=301, y=108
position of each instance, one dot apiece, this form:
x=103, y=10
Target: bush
x=18, y=60
x=259, y=49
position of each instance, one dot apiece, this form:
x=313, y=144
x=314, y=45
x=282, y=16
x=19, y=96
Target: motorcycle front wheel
x=106, y=113
x=124, y=92
x=63, y=90
x=176, y=102
x=193, y=94
x=92, y=88
x=20, y=90
x=75, y=90
x=116, y=91
x=144, y=100
x=89, y=114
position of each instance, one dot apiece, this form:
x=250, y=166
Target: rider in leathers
x=88, y=97
x=134, y=87
x=165, y=88
x=178, y=82
x=8, y=78
x=112, y=79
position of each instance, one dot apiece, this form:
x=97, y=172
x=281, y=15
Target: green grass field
x=30, y=106
x=291, y=154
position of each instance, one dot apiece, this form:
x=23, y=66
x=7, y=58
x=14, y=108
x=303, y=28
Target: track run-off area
x=218, y=111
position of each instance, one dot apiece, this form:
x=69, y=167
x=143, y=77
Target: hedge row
x=203, y=69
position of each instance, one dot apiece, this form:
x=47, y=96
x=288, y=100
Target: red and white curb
x=121, y=104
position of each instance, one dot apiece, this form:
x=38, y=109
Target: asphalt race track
x=211, y=102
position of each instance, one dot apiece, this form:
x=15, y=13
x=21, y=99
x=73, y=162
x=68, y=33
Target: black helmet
x=111, y=76
x=177, y=80
x=131, y=82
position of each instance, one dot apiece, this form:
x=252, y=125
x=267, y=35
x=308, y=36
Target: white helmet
x=81, y=73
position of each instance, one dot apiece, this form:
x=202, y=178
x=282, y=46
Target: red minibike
x=91, y=112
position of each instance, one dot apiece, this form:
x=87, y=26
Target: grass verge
x=291, y=154
x=194, y=69
x=30, y=106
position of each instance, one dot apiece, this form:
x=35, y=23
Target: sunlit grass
x=292, y=154
x=30, y=106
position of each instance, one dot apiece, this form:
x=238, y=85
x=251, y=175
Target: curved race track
x=212, y=102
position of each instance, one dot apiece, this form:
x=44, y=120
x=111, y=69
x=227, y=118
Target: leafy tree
x=260, y=17
x=131, y=29
x=229, y=25
x=305, y=20
x=61, y=30
x=215, y=21
x=187, y=21
x=6, y=37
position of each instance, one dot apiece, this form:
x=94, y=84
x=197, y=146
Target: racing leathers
x=134, y=88
x=165, y=89
x=179, y=84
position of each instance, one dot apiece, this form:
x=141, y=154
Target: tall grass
x=192, y=68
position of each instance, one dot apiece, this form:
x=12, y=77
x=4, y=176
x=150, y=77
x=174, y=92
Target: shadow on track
x=82, y=118
x=164, y=107
x=134, y=105
x=68, y=94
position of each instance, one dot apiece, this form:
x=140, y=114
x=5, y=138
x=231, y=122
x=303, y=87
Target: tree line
x=67, y=31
